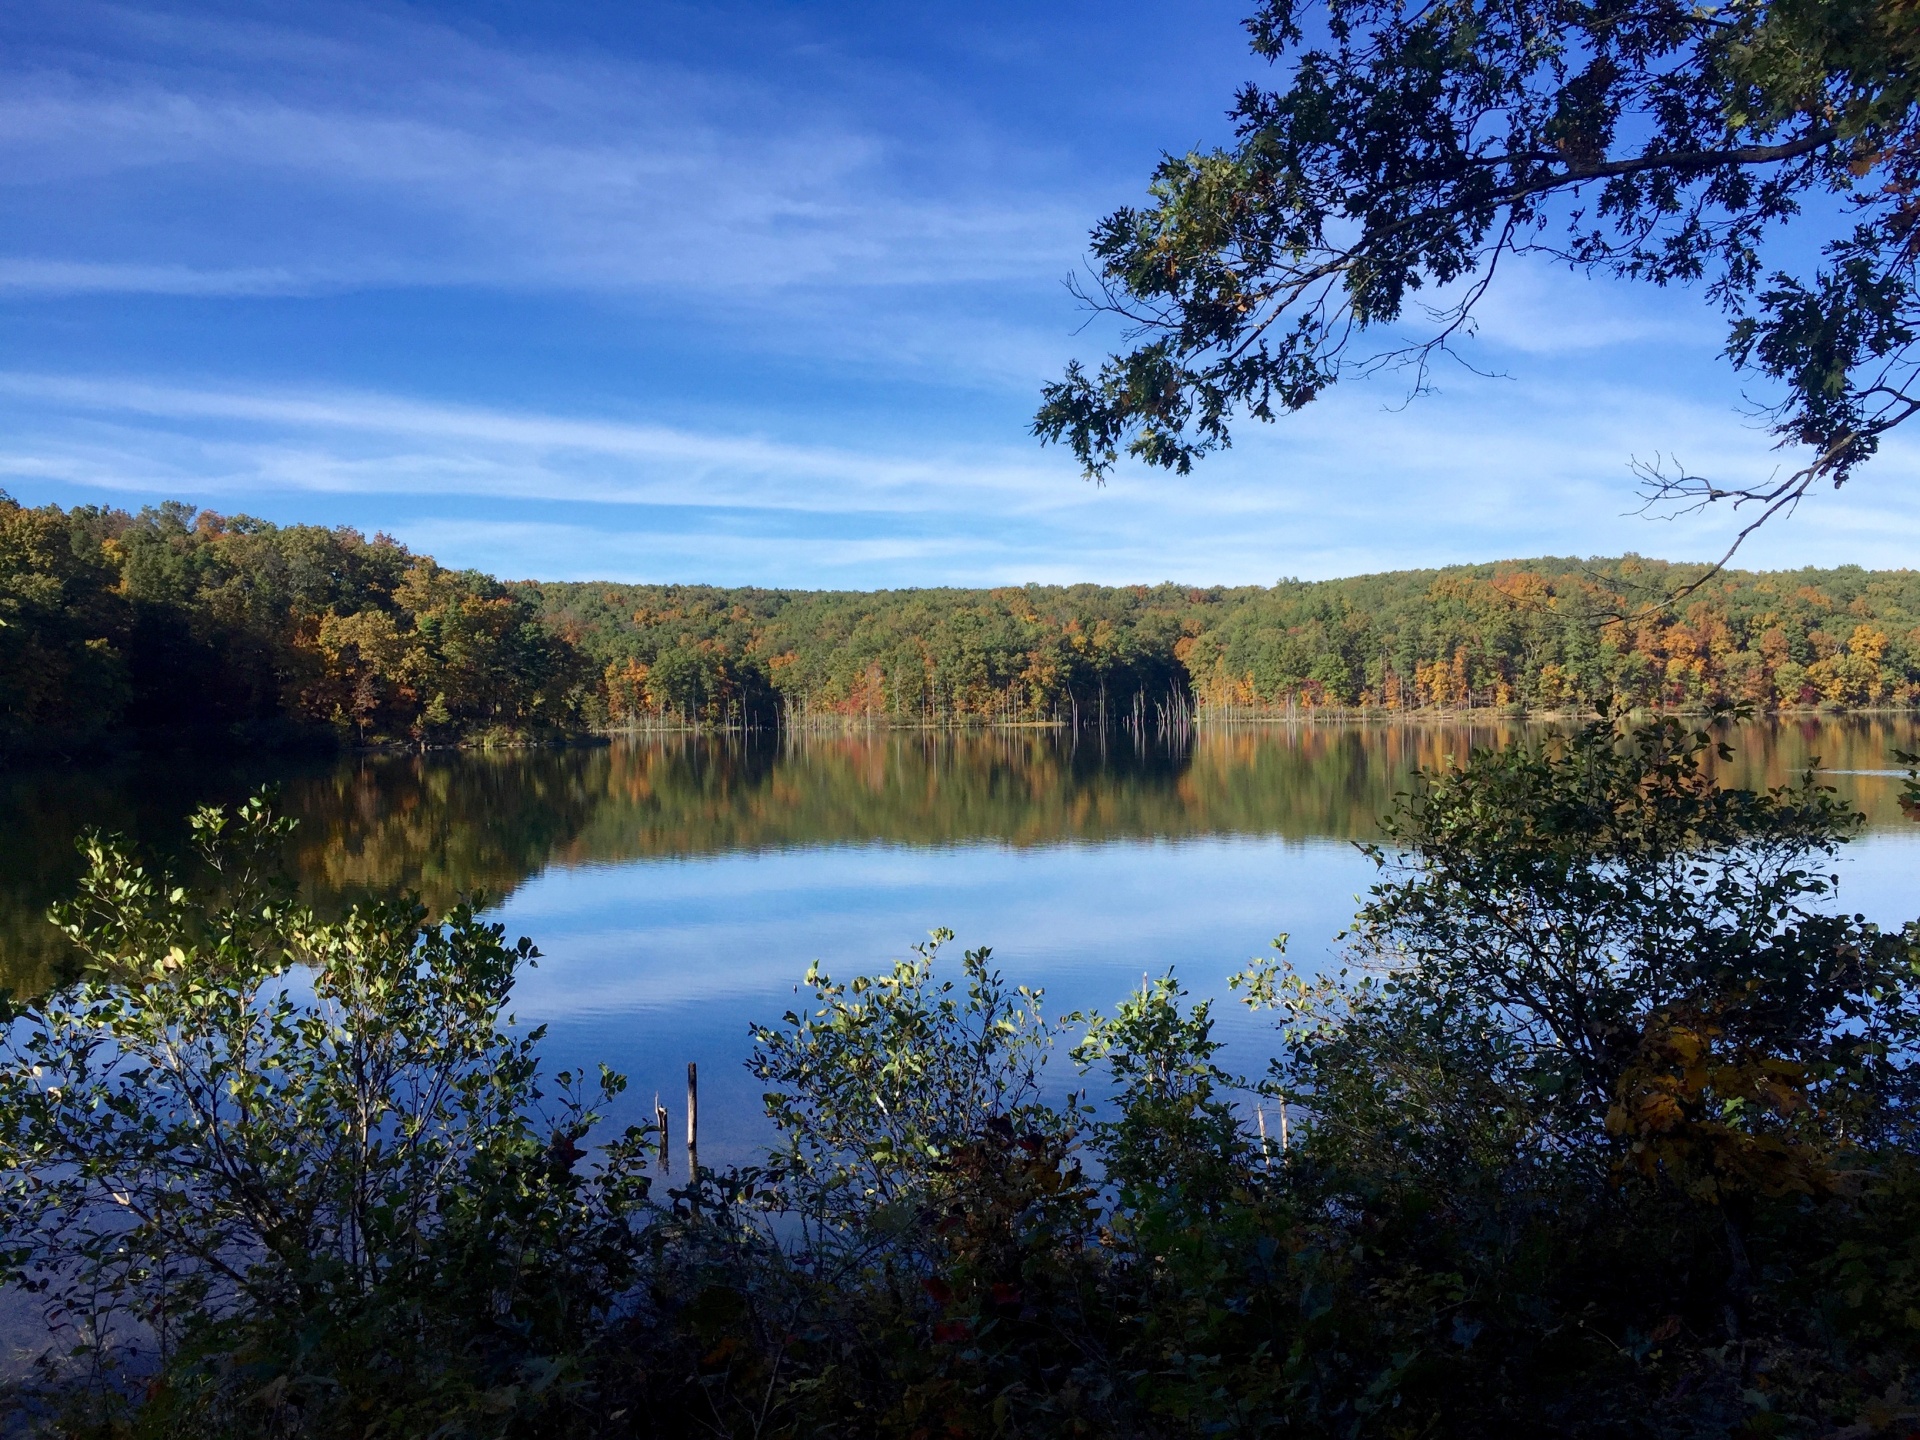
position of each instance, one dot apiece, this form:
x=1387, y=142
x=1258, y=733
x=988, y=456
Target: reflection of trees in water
x=1862, y=743
x=1038, y=787
x=438, y=825
x=447, y=824
x=928, y=788
x=47, y=808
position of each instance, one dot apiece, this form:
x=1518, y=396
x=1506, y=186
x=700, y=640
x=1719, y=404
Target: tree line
x=169, y=622
x=174, y=623
x=1559, y=634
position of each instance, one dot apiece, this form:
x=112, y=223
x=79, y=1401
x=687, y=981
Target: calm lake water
x=679, y=888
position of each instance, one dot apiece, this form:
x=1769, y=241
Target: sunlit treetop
x=1366, y=204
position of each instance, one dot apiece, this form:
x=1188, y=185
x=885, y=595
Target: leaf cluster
x=1368, y=200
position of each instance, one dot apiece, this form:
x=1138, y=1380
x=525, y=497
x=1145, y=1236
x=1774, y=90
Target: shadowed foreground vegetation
x=1609, y=1130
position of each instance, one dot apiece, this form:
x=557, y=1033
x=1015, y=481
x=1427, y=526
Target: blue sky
x=744, y=293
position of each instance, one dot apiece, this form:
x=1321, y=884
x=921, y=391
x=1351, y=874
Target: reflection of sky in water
x=1880, y=876
x=680, y=887
x=652, y=964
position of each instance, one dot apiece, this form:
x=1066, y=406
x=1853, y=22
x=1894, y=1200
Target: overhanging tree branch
x=1421, y=145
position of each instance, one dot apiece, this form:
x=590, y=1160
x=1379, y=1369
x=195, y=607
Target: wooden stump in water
x=693, y=1137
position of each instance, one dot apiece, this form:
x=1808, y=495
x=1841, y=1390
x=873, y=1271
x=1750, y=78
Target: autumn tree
x=1368, y=200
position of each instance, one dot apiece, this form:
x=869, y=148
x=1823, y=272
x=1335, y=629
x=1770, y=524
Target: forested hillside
x=171, y=623
x=168, y=622
x=1542, y=633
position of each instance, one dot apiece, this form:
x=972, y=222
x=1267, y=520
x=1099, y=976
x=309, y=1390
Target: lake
x=679, y=887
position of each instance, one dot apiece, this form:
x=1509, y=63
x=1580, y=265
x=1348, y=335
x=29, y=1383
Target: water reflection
x=447, y=824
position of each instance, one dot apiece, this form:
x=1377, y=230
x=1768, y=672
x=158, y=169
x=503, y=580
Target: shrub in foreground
x=300, y=1177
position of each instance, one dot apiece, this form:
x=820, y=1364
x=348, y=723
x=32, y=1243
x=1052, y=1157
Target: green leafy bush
x=1614, y=1089
x=295, y=1175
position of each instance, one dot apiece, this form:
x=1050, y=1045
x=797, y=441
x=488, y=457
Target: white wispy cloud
x=80, y=277
x=548, y=551
x=1504, y=470
x=1540, y=308
x=359, y=442
x=386, y=150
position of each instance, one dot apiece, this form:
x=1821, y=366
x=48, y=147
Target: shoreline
x=114, y=749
